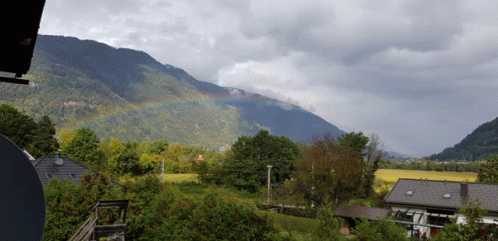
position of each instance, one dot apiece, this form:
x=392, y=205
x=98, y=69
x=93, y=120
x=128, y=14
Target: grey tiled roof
x=46, y=165
x=361, y=212
x=428, y=193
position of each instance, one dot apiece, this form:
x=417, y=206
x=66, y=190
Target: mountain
x=127, y=94
x=475, y=146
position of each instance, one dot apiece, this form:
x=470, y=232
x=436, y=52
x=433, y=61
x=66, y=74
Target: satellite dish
x=22, y=201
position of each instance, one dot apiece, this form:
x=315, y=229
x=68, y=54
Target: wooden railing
x=86, y=230
x=89, y=230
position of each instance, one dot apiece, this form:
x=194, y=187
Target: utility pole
x=162, y=171
x=312, y=184
x=269, y=180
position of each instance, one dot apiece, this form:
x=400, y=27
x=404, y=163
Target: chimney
x=58, y=159
x=464, y=190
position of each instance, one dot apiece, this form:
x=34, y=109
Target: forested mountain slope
x=475, y=146
x=127, y=94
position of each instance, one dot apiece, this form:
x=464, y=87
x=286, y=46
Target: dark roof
x=442, y=194
x=361, y=212
x=45, y=167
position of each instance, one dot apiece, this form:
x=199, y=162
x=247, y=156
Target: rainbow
x=134, y=108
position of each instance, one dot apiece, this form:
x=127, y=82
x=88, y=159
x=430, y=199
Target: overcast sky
x=420, y=73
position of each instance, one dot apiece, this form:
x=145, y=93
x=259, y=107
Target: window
x=447, y=195
x=405, y=216
x=50, y=176
x=73, y=175
x=409, y=193
x=438, y=219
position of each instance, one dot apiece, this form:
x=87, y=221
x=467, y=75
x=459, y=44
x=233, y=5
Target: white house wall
x=418, y=212
x=486, y=219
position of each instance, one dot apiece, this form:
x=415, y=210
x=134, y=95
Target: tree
x=243, y=174
x=44, y=142
x=370, y=151
x=159, y=147
x=128, y=161
x=179, y=157
x=37, y=138
x=19, y=128
x=83, y=147
x=202, y=170
x=264, y=149
x=65, y=137
x=374, y=155
x=488, y=172
x=357, y=141
x=328, y=173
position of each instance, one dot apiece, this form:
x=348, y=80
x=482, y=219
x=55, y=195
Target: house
x=425, y=206
x=49, y=167
x=354, y=213
x=199, y=159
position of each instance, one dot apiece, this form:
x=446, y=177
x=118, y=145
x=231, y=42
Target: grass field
x=392, y=175
x=296, y=225
x=170, y=177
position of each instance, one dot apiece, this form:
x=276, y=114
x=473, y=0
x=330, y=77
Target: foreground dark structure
x=19, y=37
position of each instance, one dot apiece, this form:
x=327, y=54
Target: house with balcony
x=425, y=206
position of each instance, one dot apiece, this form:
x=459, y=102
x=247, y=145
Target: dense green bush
x=211, y=218
x=329, y=227
x=379, y=230
x=69, y=205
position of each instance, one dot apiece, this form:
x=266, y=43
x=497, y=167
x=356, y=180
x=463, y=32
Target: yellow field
x=392, y=175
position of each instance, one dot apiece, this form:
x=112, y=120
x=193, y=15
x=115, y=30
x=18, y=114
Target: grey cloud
x=161, y=5
x=430, y=25
x=92, y=7
x=177, y=27
x=241, y=7
x=285, y=24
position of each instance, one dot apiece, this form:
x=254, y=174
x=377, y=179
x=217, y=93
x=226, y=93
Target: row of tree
x=423, y=165
x=130, y=157
x=327, y=171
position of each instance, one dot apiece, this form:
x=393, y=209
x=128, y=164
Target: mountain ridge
x=477, y=145
x=79, y=82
